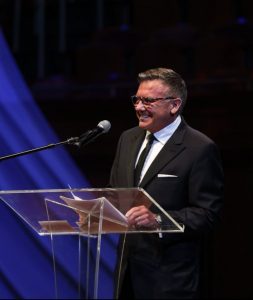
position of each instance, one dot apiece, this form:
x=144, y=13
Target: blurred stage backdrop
x=26, y=265
x=66, y=65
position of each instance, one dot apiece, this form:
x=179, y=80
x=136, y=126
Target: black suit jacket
x=193, y=197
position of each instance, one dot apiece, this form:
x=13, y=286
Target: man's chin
x=144, y=124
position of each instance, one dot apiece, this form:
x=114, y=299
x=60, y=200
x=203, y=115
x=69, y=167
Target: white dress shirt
x=162, y=137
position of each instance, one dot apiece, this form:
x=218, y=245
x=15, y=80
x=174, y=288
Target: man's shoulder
x=198, y=136
x=193, y=135
x=134, y=131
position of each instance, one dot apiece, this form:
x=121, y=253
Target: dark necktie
x=142, y=158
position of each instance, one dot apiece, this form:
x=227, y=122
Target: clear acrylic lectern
x=88, y=213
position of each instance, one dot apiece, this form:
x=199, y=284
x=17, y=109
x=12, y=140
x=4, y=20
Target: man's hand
x=141, y=216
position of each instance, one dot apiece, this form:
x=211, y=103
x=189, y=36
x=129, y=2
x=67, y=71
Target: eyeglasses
x=147, y=101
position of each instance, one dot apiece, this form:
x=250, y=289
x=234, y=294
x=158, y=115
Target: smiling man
x=167, y=266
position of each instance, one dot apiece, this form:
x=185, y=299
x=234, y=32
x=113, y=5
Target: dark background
x=81, y=58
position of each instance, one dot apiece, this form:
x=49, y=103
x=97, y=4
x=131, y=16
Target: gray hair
x=174, y=81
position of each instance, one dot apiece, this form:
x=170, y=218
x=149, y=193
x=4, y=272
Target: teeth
x=144, y=117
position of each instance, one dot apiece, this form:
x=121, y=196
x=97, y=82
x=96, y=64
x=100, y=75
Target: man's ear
x=176, y=103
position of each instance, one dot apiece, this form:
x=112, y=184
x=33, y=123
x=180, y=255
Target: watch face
x=158, y=219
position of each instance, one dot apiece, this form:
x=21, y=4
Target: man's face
x=157, y=115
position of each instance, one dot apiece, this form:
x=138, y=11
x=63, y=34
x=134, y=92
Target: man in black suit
x=183, y=173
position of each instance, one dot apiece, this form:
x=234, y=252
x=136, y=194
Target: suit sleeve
x=205, y=193
x=114, y=176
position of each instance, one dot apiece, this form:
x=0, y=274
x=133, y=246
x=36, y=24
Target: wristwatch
x=158, y=219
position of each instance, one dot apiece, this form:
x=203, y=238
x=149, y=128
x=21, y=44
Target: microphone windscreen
x=105, y=125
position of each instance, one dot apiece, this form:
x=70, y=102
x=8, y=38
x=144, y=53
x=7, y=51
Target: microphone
x=102, y=127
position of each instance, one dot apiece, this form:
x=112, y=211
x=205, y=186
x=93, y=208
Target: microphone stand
x=72, y=140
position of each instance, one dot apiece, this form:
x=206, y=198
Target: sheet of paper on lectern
x=110, y=212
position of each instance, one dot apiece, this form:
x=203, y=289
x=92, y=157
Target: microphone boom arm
x=72, y=140
x=102, y=127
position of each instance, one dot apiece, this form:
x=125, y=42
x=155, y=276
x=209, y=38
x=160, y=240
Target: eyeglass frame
x=147, y=101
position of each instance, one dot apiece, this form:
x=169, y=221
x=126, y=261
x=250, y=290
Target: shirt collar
x=164, y=134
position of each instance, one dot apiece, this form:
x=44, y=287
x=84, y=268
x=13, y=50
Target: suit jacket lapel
x=170, y=150
x=135, y=144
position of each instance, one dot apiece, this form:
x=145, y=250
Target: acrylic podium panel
x=87, y=213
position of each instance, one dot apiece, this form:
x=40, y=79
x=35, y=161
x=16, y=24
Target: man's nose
x=140, y=105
